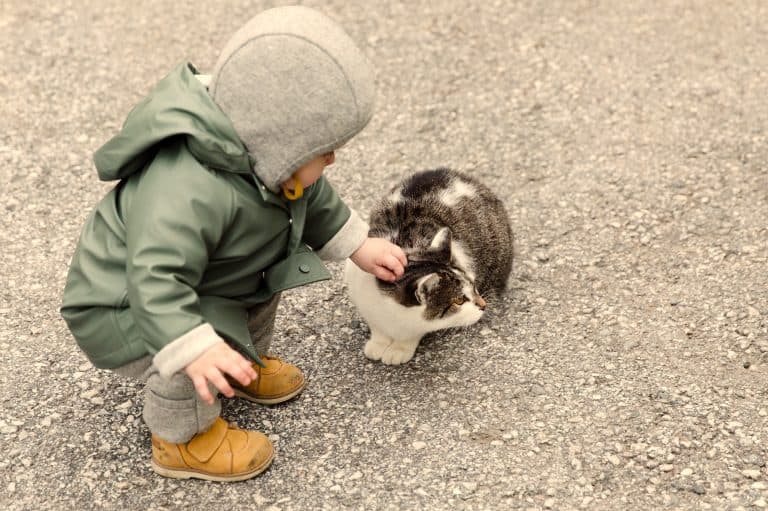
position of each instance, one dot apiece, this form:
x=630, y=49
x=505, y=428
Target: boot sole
x=189, y=473
x=271, y=400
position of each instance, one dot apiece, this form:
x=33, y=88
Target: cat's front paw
x=398, y=353
x=376, y=347
x=388, y=351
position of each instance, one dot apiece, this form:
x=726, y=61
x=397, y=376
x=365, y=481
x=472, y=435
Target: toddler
x=221, y=205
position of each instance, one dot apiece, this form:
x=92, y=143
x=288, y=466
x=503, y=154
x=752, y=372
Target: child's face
x=312, y=170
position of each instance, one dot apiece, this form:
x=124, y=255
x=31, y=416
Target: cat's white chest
x=395, y=329
x=382, y=312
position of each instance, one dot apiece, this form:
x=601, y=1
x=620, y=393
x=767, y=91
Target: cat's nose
x=480, y=302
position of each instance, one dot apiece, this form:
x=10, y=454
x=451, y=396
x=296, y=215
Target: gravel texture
x=627, y=367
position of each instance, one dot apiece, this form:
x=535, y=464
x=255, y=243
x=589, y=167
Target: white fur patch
x=427, y=282
x=458, y=190
x=461, y=259
x=395, y=196
x=439, y=238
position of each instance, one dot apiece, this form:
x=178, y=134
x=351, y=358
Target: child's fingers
x=220, y=382
x=201, y=386
x=384, y=274
x=400, y=255
x=247, y=366
x=393, y=263
x=241, y=370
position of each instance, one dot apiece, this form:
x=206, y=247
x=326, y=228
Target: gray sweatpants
x=172, y=408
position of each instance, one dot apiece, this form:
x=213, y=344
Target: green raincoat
x=189, y=235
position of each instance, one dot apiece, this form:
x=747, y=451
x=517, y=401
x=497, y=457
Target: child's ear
x=441, y=245
x=425, y=285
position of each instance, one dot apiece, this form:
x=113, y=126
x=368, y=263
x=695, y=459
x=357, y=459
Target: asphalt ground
x=627, y=366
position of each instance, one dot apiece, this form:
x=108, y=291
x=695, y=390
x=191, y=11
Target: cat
x=459, y=243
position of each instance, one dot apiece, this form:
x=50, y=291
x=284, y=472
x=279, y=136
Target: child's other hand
x=213, y=364
x=381, y=258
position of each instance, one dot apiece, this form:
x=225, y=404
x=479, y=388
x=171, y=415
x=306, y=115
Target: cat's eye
x=460, y=301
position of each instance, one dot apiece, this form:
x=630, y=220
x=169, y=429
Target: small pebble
x=419, y=445
x=751, y=473
x=88, y=394
x=686, y=472
x=666, y=467
x=631, y=344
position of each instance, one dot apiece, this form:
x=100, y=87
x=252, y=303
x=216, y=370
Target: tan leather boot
x=223, y=453
x=277, y=382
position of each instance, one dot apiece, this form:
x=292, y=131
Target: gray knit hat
x=295, y=86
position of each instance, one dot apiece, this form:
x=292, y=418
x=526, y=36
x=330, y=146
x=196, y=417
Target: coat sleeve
x=331, y=227
x=172, y=228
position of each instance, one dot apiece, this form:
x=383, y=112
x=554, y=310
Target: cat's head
x=432, y=281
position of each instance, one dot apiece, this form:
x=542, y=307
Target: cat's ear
x=424, y=285
x=441, y=244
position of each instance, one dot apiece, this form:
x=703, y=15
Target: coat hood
x=294, y=86
x=178, y=106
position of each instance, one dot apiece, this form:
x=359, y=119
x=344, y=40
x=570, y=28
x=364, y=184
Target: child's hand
x=213, y=364
x=381, y=258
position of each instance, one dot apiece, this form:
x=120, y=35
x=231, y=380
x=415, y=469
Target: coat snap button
x=304, y=268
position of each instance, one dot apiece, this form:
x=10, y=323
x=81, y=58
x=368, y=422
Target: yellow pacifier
x=296, y=193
